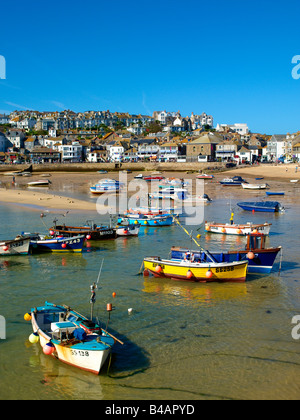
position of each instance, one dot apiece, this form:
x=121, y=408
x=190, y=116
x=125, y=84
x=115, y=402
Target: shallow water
x=182, y=340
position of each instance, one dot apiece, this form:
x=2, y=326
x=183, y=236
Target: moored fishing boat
x=107, y=186
x=128, y=230
x=262, y=206
x=185, y=270
x=236, y=180
x=70, y=336
x=147, y=219
x=17, y=246
x=237, y=228
x=43, y=243
x=92, y=232
x=260, y=259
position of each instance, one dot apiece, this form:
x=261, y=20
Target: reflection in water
x=208, y=294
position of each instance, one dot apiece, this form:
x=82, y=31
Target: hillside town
x=104, y=136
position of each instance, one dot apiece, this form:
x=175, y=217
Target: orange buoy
x=250, y=255
x=109, y=307
x=189, y=274
x=207, y=227
x=223, y=230
x=239, y=232
x=114, y=294
x=158, y=269
x=209, y=274
x=255, y=231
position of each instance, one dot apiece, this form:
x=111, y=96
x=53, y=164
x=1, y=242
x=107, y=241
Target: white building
x=16, y=137
x=116, y=153
x=71, y=152
x=26, y=123
x=276, y=147
x=239, y=128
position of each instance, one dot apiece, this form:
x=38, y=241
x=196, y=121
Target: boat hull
x=146, y=222
x=15, y=247
x=275, y=193
x=99, y=233
x=237, y=229
x=254, y=186
x=61, y=245
x=220, y=272
x=262, y=262
x=89, y=354
x=266, y=207
x=130, y=230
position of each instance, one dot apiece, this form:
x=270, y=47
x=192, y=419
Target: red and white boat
x=204, y=176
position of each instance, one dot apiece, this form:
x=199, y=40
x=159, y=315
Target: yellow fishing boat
x=195, y=271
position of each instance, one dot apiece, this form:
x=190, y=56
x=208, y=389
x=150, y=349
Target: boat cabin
x=256, y=241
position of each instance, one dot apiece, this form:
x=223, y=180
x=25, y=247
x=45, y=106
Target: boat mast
x=93, y=288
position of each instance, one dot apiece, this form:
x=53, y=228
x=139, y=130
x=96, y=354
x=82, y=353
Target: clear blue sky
x=231, y=59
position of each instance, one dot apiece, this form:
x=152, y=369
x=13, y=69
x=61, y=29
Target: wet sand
x=66, y=187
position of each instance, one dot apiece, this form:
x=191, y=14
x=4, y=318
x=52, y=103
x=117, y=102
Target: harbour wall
x=112, y=167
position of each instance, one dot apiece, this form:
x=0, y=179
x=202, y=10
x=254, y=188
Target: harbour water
x=182, y=341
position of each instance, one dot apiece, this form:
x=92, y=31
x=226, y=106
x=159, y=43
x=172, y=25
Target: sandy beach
x=66, y=187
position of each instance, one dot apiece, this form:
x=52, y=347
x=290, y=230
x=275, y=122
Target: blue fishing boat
x=262, y=206
x=275, y=192
x=70, y=336
x=260, y=259
x=147, y=219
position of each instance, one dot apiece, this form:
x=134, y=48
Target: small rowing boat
x=39, y=183
x=275, y=192
x=247, y=186
x=204, y=176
